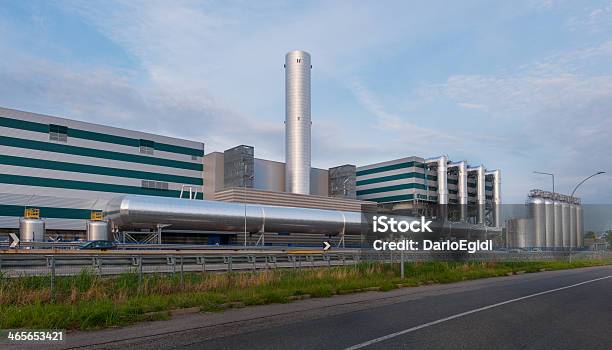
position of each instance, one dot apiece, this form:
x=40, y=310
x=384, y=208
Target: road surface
x=569, y=309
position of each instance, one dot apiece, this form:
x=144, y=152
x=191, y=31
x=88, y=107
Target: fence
x=63, y=264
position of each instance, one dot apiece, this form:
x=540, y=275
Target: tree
x=589, y=234
x=609, y=238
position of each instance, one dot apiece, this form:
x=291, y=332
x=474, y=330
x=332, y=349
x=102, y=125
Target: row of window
x=59, y=133
x=156, y=185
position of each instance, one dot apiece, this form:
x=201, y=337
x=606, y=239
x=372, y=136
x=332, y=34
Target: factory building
x=68, y=168
x=435, y=187
x=69, y=173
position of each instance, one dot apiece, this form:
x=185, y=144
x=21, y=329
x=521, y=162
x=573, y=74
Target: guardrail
x=113, y=262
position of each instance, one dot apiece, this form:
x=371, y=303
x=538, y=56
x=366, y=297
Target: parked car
x=98, y=245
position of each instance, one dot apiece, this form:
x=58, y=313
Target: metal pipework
x=496, y=195
x=480, y=191
x=442, y=170
x=136, y=212
x=462, y=194
x=297, y=122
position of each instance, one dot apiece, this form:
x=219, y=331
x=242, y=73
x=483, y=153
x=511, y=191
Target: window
x=194, y=157
x=155, y=185
x=147, y=146
x=58, y=133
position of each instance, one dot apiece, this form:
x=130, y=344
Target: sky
x=514, y=85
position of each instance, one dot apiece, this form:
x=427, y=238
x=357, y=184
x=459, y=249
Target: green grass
x=86, y=301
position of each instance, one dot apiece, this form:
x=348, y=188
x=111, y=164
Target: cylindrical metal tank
x=579, y=227
x=462, y=194
x=518, y=233
x=98, y=231
x=572, y=225
x=132, y=212
x=565, y=208
x=497, y=201
x=558, y=224
x=297, y=122
x=550, y=223
x=537, y=211
x=31, y=230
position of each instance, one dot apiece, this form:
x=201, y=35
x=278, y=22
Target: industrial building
x=66, y=176
x=435, y=187
x=68, y=168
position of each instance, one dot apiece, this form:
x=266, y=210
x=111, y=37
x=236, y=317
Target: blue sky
x=515, y=85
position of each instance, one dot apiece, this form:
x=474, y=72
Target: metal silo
x=572, y=224
x=550, y=222
x=537, y=211
x=31, y=230
x=558, y=223
x=98, y=230
x=297, y=122
x=565, y=218
x=579, y=227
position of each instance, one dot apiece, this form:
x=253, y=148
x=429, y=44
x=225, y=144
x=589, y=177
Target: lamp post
x=581, y=182
x=572, y=199
x=553, y=179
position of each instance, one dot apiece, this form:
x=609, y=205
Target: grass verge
x=86, y=301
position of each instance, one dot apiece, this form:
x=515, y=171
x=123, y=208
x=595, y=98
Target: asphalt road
x=569, y=309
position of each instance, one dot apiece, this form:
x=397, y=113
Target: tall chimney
x=297, y=122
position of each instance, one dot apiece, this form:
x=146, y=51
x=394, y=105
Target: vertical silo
x=537, y=212
x=565, y=215
x=480, y=192
x=462, y=193
x=549, y=209
x=297, y=122
x=558, y=223
x=496, y=196
x=572, y=224
x=579, y=227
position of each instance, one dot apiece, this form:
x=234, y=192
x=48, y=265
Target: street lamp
x=553, y=179
x=572, y=198
x=581, y=182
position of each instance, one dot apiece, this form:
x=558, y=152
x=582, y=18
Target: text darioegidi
x=428, y=245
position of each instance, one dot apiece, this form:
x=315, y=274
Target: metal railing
x=114, y=263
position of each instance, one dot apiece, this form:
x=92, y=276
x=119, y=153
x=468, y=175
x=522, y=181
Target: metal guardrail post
x=253, y=260
x=51, y=265
x=201, y=260
x=228, y=260
x=182, y=272
x=327, y=258
x=171, y=260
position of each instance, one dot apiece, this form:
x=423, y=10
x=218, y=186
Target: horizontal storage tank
x=565, y=212
x=134, y=212
x=558, y=224
x=31, y=230
x=550, y=223
x=98, y=231
x=537, y=211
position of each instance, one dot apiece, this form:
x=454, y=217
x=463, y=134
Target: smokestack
x=297, y=122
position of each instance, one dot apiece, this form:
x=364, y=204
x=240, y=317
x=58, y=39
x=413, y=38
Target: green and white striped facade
x=68, y=168
x=405, y=179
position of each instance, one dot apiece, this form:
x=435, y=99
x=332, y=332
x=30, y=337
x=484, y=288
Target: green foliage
x=88, y=301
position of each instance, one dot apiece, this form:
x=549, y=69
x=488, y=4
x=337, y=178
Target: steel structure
x=136, y=212
x=297, y=122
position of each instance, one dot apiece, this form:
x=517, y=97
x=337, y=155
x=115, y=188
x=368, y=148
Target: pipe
x=136, y=212
x=480, y=191
x=497, y=201
x=462, y=195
